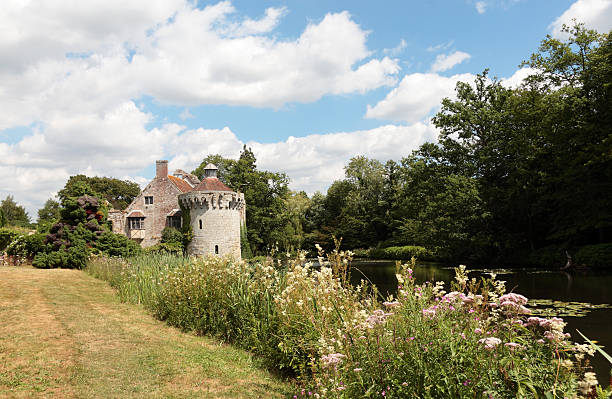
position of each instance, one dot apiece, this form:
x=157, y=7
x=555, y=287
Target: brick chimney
x=161, y=169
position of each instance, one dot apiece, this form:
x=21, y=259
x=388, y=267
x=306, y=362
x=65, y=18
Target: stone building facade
x=155, y=208
x=216, y=214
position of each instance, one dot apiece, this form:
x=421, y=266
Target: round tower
x=216, y=214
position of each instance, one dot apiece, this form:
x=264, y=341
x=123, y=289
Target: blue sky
x=107, y=87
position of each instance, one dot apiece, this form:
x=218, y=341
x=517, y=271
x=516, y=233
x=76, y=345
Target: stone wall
x=215, y=221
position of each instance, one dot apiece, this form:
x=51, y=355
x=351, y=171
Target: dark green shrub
x=113, y=244
x=172, y=235
x=550, y=257
x=6, y=237
x=26, y=246
x=175, y=248
x=400, y=253
x=599, y=255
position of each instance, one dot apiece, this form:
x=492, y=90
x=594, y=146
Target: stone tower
x=216, y=214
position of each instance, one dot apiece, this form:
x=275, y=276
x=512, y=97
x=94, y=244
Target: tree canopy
x=119, y=193
x=13, y=214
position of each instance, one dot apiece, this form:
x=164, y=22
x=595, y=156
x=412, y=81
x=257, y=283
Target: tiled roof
x=180, y=184
x=211, y=184
x=136, y=214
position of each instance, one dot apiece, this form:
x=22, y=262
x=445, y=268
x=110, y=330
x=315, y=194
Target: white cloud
x=444, y=62
x=517, y=77
x=441, y=46
x=481, y=7
x=397, y=50
x=315, y=161
x=416, y=97
x=596, y=14
x=76, y=70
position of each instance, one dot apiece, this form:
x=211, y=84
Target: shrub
x=175, y=248
x=113, y=244
x=406, y=252
x=6, y=237
x=170, y=235
x=26, y=246
x=599, y=255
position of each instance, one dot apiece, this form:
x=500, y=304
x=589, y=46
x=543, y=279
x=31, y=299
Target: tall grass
x=343, y=341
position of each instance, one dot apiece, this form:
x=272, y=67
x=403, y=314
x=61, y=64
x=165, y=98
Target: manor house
x=215, y=212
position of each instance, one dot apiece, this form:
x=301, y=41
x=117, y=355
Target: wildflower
x=590, y=380
x=393, y=304
x=357, y=370
x=490, y=342
x=478, y=331
x=513, y=345
x=332, y=360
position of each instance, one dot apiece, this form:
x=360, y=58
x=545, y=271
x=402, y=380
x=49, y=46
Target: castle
x=214, y=212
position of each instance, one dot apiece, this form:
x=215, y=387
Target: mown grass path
x=64, y=334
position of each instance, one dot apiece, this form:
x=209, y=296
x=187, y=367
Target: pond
x=582, y=300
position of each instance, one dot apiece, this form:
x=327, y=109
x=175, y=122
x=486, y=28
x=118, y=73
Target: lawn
x=64, y=333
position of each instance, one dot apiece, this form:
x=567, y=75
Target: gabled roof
x=180, y=184
x=211, y=184
x=136, y=214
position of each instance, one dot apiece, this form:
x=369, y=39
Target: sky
x=106, y=87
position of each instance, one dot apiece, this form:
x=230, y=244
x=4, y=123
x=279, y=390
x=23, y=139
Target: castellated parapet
x=216, y=214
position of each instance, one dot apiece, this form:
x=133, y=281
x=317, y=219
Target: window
x=216, y=249
x=149, y=200
x=200, y=224
x=136, y=223
x=174, y=221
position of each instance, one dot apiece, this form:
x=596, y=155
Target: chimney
x=161, y=169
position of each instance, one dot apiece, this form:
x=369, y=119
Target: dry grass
x=65, y=334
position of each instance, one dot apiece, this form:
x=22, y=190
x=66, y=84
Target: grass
x=64, y=333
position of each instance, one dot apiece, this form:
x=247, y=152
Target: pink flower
x=478, y=331
x=490, y=342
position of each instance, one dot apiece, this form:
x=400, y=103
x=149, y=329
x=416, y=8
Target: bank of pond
x=340, y=332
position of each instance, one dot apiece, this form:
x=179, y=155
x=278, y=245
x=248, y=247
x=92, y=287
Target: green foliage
x=404, y=253
x=265, y=194
x=172, y=235
x=3, y=220
x=113, y=244
x=26, y=246
x=174, y=248
x=14, y=214
x=119, y=193
x=6, y=237
x=245, y=248
x=598, y=255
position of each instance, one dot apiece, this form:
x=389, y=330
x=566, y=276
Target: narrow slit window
x=200, y=225
x=216, y=250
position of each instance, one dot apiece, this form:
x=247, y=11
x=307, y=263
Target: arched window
x=216, y=249
x=200, y=224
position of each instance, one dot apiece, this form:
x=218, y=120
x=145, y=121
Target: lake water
x=571, y=292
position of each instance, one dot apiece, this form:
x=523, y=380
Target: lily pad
x=553, y=308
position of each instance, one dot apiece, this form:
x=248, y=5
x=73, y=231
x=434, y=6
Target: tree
x=264, y=192
x=14, y=214
x=50, y=212
x=119, y=193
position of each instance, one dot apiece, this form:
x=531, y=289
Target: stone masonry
x=216, y=214
x=150, y=212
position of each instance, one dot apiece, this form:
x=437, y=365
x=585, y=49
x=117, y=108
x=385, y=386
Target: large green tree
x=14, y=214
x=119, y=193
x=265, y=194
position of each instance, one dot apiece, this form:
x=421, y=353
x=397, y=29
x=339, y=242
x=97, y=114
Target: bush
x=170, y=235
x=26, y=246
x=175, y=248
x=599, y=255
x=113, y=244
x=406, y=252
x=6, y=237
